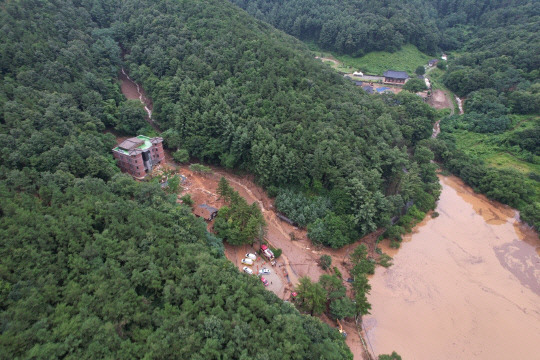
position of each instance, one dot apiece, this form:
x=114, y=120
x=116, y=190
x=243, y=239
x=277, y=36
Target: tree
x=201, y=169
x=224, y=190
x=174, y=185
x=359, y=254
x=131, y=117
x=181, y=156
x=441, y=64
x=311, y=296
x=325, y=261
x=342, y=308
x=415, y=85
x=420, y=70
x=393, y=356
x=333, y=286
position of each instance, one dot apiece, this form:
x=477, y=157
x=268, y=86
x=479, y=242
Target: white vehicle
x=264, y=271
x=251, y=256
x=358, y=73
x=247, y=262
x=247, y=270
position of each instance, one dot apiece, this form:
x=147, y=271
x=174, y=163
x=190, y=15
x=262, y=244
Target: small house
x=358, y=83
x=358, y=73
x=433, y=62
x=206, y=212
x=395, y=77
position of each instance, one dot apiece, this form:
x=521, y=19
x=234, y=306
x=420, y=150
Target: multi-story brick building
x=138, y=155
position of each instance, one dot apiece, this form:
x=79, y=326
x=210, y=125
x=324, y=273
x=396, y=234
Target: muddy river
x=464, y=285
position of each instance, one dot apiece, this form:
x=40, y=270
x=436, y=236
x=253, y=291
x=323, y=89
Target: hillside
x=248, y=97
x=96, y=265
x=493, y=62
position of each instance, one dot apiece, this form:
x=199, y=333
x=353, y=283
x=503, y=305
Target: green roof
x=125, y=147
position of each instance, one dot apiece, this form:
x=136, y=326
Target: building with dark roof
x=207, y=212
x=138, y=155
x=433, y=62
x=395, y=77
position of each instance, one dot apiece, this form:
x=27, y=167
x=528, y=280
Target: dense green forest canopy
x=353, y=27
x=494, y=63
x=497, y=41
x=234, y=92
x=98, y=265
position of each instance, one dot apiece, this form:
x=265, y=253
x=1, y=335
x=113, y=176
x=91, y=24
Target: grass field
x=375, y=63
x=491, y=149
x=407, y=59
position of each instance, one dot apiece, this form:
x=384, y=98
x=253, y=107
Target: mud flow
x=464, y=285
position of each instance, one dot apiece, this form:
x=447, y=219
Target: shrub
x=394, y=244
x=277, y=252
x=338, y=273
x=325, y=261
x=186, y=199
x=201, y=169
x=385, y=260
x=181, y=156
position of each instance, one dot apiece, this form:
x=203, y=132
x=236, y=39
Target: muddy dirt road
x=299, y=257
x=464, y=285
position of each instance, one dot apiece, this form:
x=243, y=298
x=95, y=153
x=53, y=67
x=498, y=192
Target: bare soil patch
x=440, y=100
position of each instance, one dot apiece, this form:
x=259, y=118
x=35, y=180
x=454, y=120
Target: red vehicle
x=267, y=252
x=264, y=281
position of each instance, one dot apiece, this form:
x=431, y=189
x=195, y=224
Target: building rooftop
x=135, y=144
x=396, y=74
x=205, y=211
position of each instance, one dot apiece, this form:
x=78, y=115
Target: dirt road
x=299, y=257
x=334, y=61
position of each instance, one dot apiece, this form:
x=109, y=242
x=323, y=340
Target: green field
x=375, y=63
x=492, y=150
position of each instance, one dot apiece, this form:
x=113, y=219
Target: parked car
x=264, y=271
x=251, y=256
x=264, y=281
x=247, y=270
x=247, y=262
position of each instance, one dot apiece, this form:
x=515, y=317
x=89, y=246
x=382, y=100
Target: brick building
x=138, y=155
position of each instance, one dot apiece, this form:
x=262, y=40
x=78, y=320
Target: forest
x=262, y=104
x=97, y=265
x=493, y=64
x=353, y=27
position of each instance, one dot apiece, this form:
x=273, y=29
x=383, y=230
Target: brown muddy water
x=464, y=285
